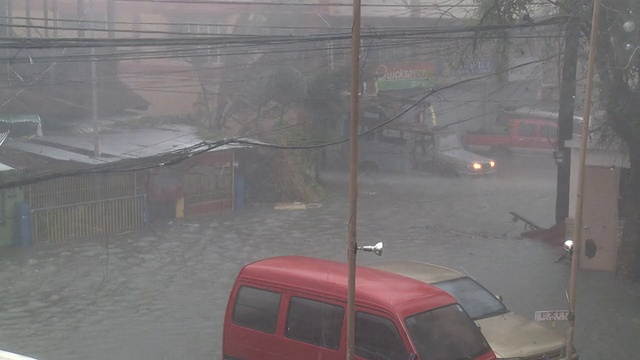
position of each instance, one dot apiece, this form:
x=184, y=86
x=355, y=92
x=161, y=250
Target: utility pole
x=111, y=15
x=27, y=14
x=54, y=15
x=94, y=105
x=565, y=116
x=54, y=20
x=80, y=11
x=5, y=32
x=352, y=247
x=94, y=97
x=45, y=16
x=577, y=241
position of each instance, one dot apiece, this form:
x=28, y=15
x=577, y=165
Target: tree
x=618, y=85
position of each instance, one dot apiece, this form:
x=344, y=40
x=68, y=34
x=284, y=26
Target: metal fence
x=73, y=207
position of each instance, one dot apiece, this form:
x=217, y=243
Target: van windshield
x=446, y=333
x=475, y=299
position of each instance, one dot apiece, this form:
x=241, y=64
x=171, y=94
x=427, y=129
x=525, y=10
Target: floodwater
x=161, y=293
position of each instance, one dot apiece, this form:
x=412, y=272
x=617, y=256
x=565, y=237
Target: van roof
x=329, y=279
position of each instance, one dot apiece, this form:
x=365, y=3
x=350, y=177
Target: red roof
x=329, y=279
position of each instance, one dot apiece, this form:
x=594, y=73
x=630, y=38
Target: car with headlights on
x=444, y=153
x=511, y=336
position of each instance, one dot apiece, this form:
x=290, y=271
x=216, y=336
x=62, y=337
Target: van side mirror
x=499, y=297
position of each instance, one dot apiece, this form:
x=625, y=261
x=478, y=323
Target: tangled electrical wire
x=16, y=178
x=238, y=39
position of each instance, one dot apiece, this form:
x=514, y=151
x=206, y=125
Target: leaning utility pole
x=577, y=241
x=565, y=116
x=352, y=247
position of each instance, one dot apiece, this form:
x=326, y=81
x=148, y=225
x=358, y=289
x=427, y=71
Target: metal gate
x=208, y=183
x=73, y=207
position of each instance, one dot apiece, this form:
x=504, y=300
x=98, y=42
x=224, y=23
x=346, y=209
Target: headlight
x=475, y=166
x=492, y=163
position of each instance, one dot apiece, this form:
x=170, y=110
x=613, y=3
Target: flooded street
x=161, y=293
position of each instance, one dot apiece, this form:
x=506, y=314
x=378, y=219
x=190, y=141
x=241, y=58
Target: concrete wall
x=601, y=234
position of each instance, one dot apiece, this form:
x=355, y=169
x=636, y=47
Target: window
x=527, y=130
x=377, y=338
x=314, y=322
x=477, y=301
x=256, y=309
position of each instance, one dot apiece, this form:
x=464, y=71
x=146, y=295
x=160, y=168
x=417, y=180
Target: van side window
x=314, y=322
x=378, y=338
x=527, y=130
x=257, y=309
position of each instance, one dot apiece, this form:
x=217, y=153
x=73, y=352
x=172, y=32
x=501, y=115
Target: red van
x=294, y=308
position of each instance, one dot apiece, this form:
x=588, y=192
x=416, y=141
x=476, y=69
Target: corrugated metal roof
x=115, y=144
x=50, y=152
x=132, y=143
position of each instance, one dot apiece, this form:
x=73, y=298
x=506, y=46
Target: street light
x=377, y=248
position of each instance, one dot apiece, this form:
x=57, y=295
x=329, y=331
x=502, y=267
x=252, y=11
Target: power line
x=318, y=5
x=90, y=5
x=208, y=51
x=174, y=24
x=185, y=53
x=14, y=179
x=162, y=32
x=226, y=39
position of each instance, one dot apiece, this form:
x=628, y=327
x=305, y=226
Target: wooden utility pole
x=94, y=105
x=27, y=14
x=5, y=31
x=45, y=16
x=352, y=247
x=54, y=15
x=577, y=241
x=80, y=11
x=94, y=94
x=111, y=15
x=565, y=116
x=10, y=14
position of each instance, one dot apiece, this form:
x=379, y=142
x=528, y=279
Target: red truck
x=523, y=131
